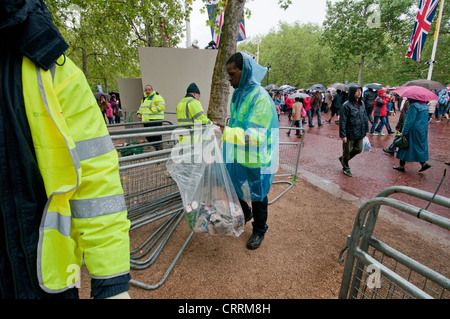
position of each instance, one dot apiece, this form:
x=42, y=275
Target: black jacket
x=353, y=120
x=369, y=99
x=337, y=101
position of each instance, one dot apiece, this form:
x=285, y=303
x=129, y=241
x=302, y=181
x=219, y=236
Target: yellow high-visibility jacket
x=85, y=216
x=190, y=110
x=152, y=108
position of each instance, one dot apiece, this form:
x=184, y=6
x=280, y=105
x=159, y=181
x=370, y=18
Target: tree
x=228, y=43
x=296, y=54
x=220, y=85
x=359, y=29
x=104, y=35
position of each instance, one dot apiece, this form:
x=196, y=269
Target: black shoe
x=425, y=167
x=254, y=241
x=399, y=168
x=311, y=125
x=388, y=152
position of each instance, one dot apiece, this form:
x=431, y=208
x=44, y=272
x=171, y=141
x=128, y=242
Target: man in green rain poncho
x=250, y=146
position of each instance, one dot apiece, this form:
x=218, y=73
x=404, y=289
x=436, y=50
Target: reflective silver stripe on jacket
x=188, y=119
x=94, y=147
x=197, y=115
x=61, y=223
x=93, y=207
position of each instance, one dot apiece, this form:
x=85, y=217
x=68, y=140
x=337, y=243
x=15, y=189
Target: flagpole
x=188, y=30
x=436, y=37
x=257, y=53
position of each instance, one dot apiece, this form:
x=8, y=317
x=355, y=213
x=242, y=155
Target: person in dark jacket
x=353, y=127
x=336, y=105
x=369, y=100
x=392, y=148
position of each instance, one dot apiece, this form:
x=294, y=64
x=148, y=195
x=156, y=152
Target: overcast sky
x=265, y=16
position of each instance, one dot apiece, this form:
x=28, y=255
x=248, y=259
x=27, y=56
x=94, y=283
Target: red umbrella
x=417, y=93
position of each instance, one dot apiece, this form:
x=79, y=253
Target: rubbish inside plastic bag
x=209, y=198
x=219, y=218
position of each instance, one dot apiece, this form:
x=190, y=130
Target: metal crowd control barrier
x=288, y=160
x=150, y=193
x=375, y=270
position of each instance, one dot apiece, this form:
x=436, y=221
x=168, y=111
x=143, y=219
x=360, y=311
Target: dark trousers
x=151, y=139
x=350, y=150
x=259, y=210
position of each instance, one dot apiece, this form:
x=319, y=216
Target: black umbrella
x=339, y=86
x=428, y=84
x=271, y=87
x=375, y=86
x=317, y=87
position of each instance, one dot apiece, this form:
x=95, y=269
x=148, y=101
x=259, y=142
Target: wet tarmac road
x=372, y=171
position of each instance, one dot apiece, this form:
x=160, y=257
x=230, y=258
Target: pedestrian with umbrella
x=369, y=100
x=336, y=105
x=443, y=105
x=315, y=109
x=415, y=127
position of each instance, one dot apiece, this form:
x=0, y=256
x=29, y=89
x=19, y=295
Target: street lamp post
x=268, y=68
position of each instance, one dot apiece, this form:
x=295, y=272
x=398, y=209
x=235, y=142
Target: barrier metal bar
x=166, y=274
x=360, y=240
x=290, y=163
x=397, y=279
x=151, y=195
x=172, y=222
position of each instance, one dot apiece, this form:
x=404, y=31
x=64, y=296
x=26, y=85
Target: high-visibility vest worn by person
x=85, y=217
x=152, y=108
x=190, y=111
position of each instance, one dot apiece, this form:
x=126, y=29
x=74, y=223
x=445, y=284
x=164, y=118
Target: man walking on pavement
x=315, y=108
x=353, y=127
x=369, y=100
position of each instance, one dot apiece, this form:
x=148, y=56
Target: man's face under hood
x=354, y=93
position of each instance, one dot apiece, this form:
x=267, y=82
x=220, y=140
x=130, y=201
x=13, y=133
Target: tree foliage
x=295, y=53
x=104, y=35
x=364, y=29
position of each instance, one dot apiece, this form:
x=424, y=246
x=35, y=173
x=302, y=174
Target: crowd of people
x=111, y=110
x=378, y=114
x=370, y=110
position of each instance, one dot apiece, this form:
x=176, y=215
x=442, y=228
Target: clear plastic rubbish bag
x=366, y=144
x=209, y=198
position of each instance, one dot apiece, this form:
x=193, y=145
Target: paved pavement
x=372, y=171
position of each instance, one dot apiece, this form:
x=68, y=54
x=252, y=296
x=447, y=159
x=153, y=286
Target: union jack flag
x=219, y=20
x=422, y=24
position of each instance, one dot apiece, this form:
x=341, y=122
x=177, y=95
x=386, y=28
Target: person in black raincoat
x=353, y=127
x=369, y=100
